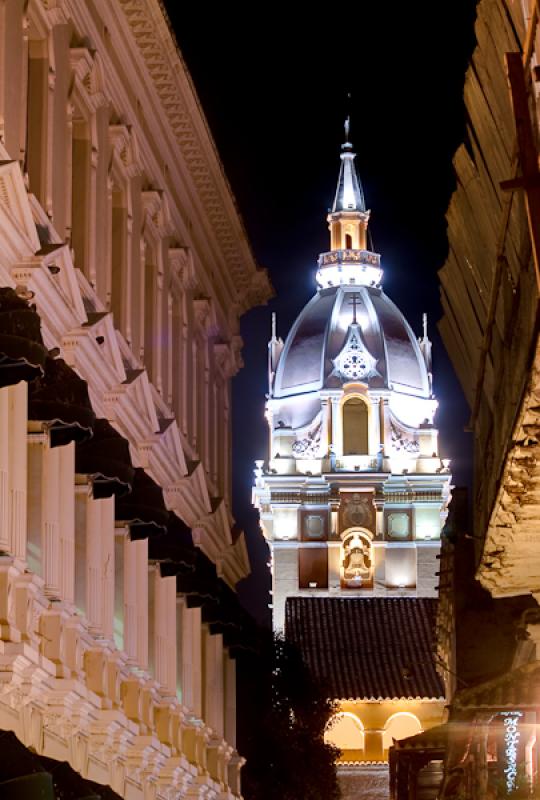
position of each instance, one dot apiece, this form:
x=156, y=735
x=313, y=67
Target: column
x=13, y=469
x=373, y=745
x=178, y=665
x=119, y=625
x=325, y=426
x=162, y=628
x=107, y=565
x=66, y=516
x=18, y=468
x=334, y=565
x=192, y=659
x=135, y=601
x=229, y=667
x=5, y=537
x=384, y=411
x=94, y=565
x=213, y=710
x=50, y=523
x=51, y=515
x=337, y=437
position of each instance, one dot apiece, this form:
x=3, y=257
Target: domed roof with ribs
x=320, y=332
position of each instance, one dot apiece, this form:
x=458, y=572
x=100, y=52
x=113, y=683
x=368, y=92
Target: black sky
x=273, y=81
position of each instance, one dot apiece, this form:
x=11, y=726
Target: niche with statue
x=356, y=561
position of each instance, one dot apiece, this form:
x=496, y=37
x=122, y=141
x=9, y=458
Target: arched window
x=348, y=241
x=400, y=726
x=345, y=731
x=355, y=427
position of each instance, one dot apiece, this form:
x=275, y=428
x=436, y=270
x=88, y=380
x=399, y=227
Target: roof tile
x=367, y=648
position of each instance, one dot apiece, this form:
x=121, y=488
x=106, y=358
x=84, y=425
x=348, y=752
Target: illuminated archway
x=345, y=731
x=400, y=726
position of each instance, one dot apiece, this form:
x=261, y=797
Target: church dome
x=383, y=352
x=350, y=332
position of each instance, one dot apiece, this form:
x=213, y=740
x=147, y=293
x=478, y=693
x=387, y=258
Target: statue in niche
x=356, y=561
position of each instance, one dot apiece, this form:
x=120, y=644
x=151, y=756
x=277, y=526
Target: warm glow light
x=512, y=735
x=345, y=731
x=348, y=274
x=400, y=726
x=285, y=523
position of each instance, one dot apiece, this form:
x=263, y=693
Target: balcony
x=354, y=267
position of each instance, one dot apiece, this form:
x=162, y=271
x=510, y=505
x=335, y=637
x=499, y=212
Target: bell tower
x=352, y=494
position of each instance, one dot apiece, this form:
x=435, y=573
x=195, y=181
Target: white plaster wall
x=285, y=581
x=400, y=565
x=428, y=565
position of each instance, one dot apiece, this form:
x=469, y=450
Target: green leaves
x=282, y=717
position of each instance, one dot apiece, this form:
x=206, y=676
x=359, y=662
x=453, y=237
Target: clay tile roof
x=518, y=687
x=367, y=648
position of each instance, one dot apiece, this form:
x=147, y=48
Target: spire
x=425, y=349
x=275, y=346
x=349, y=194
x=348, y=261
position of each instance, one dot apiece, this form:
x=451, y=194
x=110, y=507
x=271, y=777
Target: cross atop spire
x=349, y=194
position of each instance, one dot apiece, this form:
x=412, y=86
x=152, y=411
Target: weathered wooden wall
x=476, y=245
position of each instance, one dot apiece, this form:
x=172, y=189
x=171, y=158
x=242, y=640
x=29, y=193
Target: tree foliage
x=282, y=716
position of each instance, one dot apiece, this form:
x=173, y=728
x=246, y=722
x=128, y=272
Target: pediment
x=189, y=497
x=234, y=562
x=162, y=453
x=17, y=226
x=102, y=326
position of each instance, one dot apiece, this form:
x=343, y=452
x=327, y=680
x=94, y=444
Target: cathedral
x=353, y=496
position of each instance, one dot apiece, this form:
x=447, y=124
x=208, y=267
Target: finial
x=274, y=326
x=347, y=127
x=424, y=323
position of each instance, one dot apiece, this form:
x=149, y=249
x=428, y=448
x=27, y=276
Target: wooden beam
x=527, y=151
x=516, y=68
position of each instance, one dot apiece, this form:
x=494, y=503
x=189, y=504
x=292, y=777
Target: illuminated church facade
x=354, y=493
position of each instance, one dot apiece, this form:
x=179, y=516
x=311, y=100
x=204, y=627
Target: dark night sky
x=273, y=87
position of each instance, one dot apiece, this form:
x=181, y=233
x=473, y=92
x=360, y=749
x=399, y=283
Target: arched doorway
x=345, y=731
x=400, y=726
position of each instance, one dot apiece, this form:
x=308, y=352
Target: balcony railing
x=362, y=257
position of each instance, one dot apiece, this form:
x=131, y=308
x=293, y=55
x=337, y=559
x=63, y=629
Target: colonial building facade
x=124, y=269
x=489, y=290
x=354, y=493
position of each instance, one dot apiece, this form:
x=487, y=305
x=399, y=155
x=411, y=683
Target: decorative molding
x=158, y=49
x=182, y=268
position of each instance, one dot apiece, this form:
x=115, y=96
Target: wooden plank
x=514, y=11
x=528, y=154
x=474, y=221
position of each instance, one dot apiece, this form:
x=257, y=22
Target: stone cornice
x=155, y=41
x=119, y=388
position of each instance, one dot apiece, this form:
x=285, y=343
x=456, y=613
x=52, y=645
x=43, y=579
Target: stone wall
x=367, y=782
